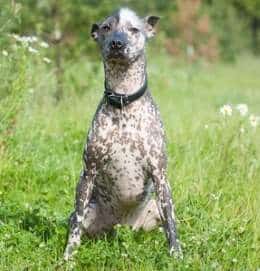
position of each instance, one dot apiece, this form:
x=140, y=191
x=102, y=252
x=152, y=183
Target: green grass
x=213, y=168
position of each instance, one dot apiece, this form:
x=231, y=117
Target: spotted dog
x=124, y=174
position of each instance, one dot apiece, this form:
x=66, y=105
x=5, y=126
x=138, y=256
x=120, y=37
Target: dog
x=123, y=180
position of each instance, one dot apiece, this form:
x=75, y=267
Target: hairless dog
x=123, y=179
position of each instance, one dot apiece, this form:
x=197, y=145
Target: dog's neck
x=125, y=78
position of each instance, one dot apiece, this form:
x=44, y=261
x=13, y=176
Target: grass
x=213, y=168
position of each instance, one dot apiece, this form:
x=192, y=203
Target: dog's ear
x=149, y=24
x=94, y=31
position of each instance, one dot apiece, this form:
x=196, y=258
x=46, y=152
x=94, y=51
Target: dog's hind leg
x=83, y=197
x=166, y=209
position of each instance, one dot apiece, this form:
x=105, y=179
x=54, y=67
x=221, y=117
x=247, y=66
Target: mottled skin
x=124, y=158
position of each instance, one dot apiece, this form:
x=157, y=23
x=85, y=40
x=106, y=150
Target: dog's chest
x=120, y=144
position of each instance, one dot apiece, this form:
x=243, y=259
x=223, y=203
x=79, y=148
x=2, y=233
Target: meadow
x=214, y=164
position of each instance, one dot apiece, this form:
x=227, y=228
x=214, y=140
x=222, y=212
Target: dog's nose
x=117, y=44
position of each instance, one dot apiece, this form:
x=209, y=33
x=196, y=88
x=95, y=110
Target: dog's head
x=122, y=35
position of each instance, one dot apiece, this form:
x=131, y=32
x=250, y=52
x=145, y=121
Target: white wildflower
x=206, y=126
x=215, y=196
x=242, y=109
x=4, y=53
x=33, y=50
x=29, y=39
x=44, y=44
x=33, y=39
x=242, y=130
x=234, y=260
x=47, y=60
x=254, y=120
x=226, y=110
x=25, y=39
x=16, y=37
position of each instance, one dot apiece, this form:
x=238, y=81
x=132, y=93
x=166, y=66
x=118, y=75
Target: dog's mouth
x=118, y=55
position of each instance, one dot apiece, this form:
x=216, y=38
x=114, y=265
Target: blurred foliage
x=213, y=160
x=252, y=7
x=12, y=74
x=9, y=15
x=215, y=26
x=228, y=27
x=189, y=29
x=251, y=10
x=191, y=33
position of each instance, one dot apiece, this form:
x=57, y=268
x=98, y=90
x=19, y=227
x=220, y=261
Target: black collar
x=120, y=100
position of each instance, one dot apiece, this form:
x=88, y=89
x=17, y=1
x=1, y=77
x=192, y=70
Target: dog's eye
x=106, y=27
x=134, y=30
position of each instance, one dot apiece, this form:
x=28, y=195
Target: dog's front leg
x=166, y=209
x=83, y=196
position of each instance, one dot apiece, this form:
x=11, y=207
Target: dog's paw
x=176, y=252
x=68, y=263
